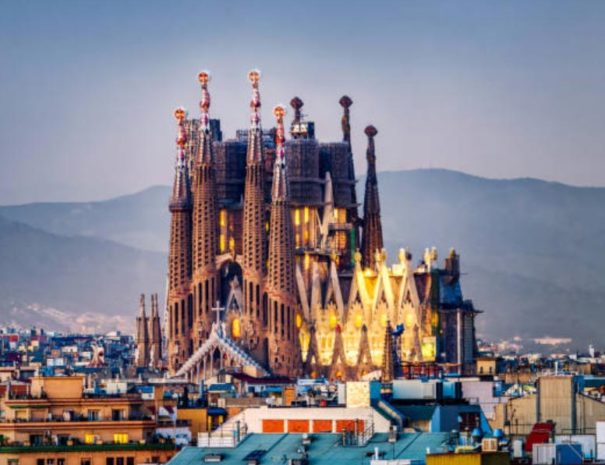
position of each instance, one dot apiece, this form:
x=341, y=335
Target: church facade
x=271, y=267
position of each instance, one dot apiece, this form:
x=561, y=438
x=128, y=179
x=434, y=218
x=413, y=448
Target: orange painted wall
x=273, y=426
x=322, y=426
x=298, y=426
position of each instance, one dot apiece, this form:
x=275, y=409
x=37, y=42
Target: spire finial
x=296, y=103
x=345, y=102
x=371, y=132
x=142, y=305
x=181, y=139
x=279, y=112
x=204, y=78
x=254, y=78
x=180, y=189
x=280, y=187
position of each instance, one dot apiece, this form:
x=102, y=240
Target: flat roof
x=324, y=449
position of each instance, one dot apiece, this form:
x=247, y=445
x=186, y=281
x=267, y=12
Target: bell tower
x=205, y=223
x=284, y=350
x=179, y=256
x=254, y=315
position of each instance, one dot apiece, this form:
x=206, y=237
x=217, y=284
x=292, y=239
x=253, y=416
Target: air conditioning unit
x=489, y=445
x=298, y=462
x=306, y=439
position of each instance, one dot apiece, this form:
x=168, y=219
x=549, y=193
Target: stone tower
x=371, y=241
x=155, y=335
x=179, y=256
x=284, y=358
x=142, y=337
x=205, y=225
x=254, y=317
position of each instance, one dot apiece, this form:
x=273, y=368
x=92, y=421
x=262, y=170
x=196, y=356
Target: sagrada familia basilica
x=272, y=271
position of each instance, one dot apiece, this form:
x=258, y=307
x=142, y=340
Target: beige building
x=57, y=423
x=557, y=399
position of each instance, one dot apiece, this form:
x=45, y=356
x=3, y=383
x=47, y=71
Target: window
x=120, y=461
x=93, y=415
x=120, y=438
x=86, y=461
x=61, y=461
x=12, y=462
x=109, y=461
x=40, y=462
x=130, y=461
x=50, y=461
x=117, y=415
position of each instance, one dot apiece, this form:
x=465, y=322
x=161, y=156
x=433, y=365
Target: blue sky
x=493, y=88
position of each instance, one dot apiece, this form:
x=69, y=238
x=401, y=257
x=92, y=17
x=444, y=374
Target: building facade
x=272, y=267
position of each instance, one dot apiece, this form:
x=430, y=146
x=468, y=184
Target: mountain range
x=532, y=253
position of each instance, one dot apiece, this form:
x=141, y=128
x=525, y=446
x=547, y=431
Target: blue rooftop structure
x=221, y=387
x=324, y=449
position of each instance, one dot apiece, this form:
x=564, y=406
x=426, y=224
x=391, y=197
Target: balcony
x=77, y=419
x=20, y=448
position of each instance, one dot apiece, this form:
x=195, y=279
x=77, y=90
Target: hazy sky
x=494, y=88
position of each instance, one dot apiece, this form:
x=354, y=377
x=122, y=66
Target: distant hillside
x=533, y=252
x=138, y=220
x=72, y=282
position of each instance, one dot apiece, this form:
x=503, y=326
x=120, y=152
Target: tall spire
x=155, y=334
x=346, y=102
x=284, y=349
x=179, y=256
x=372, y=226
x=142, y=358
x=254, y=232
x=205, y=224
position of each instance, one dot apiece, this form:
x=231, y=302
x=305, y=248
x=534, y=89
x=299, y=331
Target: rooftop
x=324, y=449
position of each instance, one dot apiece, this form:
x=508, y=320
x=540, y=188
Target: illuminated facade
x=269, y=229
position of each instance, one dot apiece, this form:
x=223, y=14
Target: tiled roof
x=325, y=449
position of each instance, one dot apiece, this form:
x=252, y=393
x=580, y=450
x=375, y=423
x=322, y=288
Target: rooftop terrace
x=324, y=449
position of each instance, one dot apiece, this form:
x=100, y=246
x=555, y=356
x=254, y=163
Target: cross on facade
x=218, y=309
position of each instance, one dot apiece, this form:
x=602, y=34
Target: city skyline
x=495, y=90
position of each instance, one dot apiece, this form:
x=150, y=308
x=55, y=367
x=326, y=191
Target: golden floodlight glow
x=236, y=330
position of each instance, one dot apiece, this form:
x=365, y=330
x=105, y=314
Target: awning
x=216, y=411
